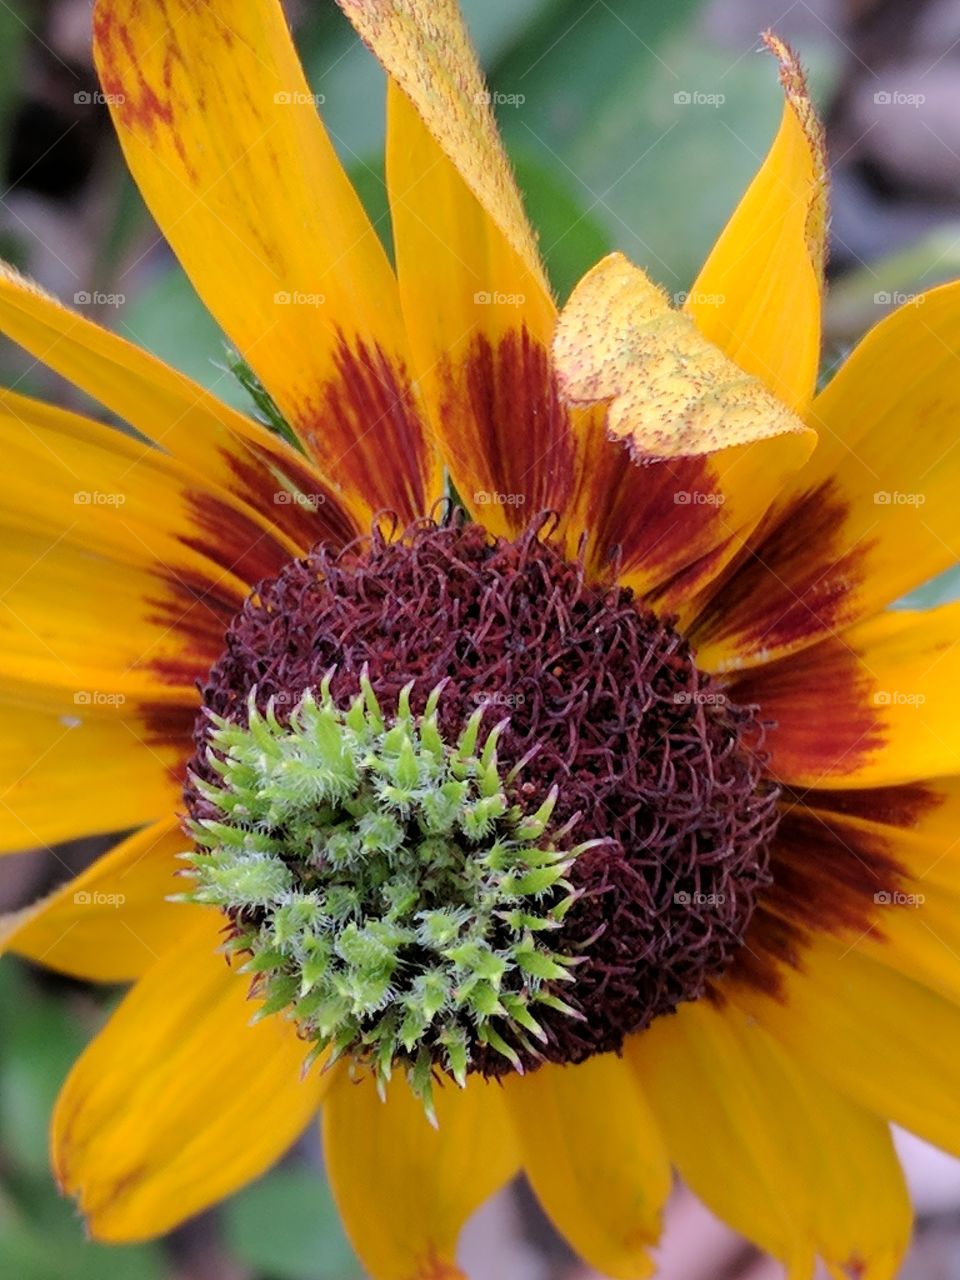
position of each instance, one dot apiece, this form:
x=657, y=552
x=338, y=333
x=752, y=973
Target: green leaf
x=571, y=238
x=169, y=319
x=660, y=176
x=41, y=1235
x=39, y=1046
x=287, y=1227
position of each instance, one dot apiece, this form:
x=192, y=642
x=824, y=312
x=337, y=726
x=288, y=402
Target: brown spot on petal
x=143, y=107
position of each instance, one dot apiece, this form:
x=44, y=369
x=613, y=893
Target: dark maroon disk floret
x=644, y=747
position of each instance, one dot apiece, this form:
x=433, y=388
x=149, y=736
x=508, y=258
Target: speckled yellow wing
x=671, y=392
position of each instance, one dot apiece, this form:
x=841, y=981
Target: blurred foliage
x=287, y=1227
x=41, y=1237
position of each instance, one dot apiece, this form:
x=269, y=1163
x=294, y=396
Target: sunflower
x=603, y=813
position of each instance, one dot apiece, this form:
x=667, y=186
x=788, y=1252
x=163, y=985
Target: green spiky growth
x=383, y=888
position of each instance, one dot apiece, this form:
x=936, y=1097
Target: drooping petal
x=113, y=921
x=220, y=130
x=872, y=514
x=758, y=296
x=232, y=458
x=424, y=46
x=404, y=1188
x=872, y=707
x=179, y=1101
x=592, y=1150
x=771, y=1147
x=86, y=768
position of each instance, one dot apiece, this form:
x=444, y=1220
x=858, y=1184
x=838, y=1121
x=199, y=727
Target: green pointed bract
x=384, y=890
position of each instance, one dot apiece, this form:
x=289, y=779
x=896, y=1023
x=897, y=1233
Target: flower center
x=466, y=810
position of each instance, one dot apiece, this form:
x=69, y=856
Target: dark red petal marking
x=826, y=872
x=507, y=435
x=366, y=431
x=900, y=807
x=658, y=518
x=141, y=107
x=318, y=513
x=820, y=700
x=795, y=584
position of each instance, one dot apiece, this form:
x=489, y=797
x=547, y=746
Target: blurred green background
x=609, y=155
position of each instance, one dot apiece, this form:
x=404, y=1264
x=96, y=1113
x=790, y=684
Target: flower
x=691, y=869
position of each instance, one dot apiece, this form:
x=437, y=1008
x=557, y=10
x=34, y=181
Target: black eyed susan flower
x=609, y=826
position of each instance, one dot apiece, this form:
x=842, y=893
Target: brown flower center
x=600, y=699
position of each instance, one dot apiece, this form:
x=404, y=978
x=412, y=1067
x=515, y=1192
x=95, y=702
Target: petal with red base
x=220, y=131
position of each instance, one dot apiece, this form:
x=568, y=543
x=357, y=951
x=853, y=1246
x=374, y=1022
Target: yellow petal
x=86, y=769
x=772, y=1148
x=758, y=296
x=111, y=922
x=404, y=1188
x=874, y=512
x=593, y=1152
x=883, y=1040
x=879, y=869
x=870, y=708
x=229, y=455
x=179, y=1101
x=479, y=319
x=160, y=640
x=425, y=47
x=220, y=131
x=672, y=393
x=93, y=486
